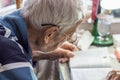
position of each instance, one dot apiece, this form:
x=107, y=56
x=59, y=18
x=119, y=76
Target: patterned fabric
x=15, y=52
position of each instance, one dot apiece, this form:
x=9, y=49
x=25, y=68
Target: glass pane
x=5, y=3
x=116, y=13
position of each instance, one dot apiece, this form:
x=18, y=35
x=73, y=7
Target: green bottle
x=96, y=9
x=99, y=40
x=94, y=30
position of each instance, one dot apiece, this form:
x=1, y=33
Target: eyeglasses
x=68, y=37
x=48, y=24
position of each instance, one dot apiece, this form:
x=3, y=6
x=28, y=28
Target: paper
x=90, y=74
x=85, y=41
x=116, y=39
x=92, y=58
x=92, y=64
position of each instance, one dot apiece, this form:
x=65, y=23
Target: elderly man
x=37, y=30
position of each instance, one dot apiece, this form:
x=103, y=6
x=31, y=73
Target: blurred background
x=5, y=3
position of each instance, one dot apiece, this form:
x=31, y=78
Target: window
x=5, y=3
x=7, y=6
x=116, y=13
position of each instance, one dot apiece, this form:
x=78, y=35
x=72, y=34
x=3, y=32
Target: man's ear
x=49, y=32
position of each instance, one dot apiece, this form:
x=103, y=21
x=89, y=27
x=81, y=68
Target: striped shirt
x=15, y=52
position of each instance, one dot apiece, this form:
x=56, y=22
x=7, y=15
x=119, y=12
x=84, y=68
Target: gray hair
x=58, y=12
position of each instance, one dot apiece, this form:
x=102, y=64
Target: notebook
x=92, y=64
x=92, y=58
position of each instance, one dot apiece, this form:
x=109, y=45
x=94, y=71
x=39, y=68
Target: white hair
x=58, y=12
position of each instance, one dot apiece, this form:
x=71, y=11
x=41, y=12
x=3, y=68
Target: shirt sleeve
x=14, y=64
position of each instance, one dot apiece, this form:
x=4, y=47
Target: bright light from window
x=7, y=6
x=110, y=4
x=5, y=3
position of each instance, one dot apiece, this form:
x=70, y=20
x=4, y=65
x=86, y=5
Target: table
x=115, y=64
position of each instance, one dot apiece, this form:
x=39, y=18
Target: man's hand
x=70, y=48
x=63, y=53
x=56, y=54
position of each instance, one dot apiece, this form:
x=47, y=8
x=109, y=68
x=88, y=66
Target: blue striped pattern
x=17, y=71
x=15, y=52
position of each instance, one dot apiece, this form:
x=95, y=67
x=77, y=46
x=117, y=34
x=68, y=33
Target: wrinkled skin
x=37, y=38
x=57, y=39
x=48, y=66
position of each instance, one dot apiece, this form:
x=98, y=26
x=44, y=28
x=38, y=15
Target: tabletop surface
x=114, y=63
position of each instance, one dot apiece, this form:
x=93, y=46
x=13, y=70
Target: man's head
x=49, y=21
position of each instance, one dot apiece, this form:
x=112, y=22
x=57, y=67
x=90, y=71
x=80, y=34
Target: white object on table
x=85, y=41
x=92, y=64
x=116, y=39
x=92, y=58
